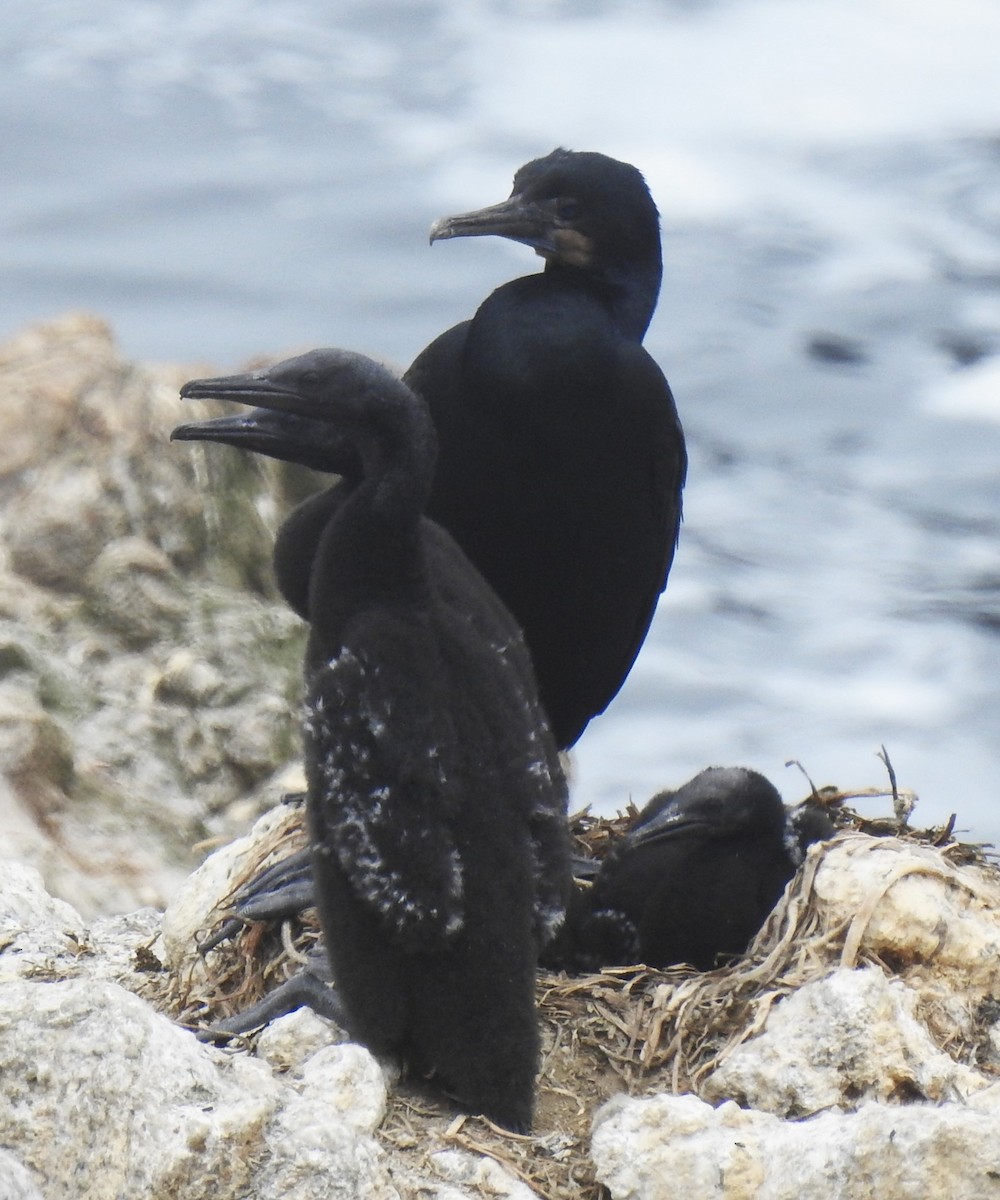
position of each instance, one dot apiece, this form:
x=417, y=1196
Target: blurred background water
x=222, y=178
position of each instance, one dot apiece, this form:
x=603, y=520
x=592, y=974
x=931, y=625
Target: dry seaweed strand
x=260, y=957
x=630, y=1029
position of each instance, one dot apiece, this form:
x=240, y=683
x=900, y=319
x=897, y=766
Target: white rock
x=35, y=750
x=45, y=938
x=906, y=904
x=56, y=529
x=134, y=1104
x=851, y=1037
x=485, y=1175
x=35, y=928
x=16, y=1182
x=349, y=1083
x=667, y=1147
x=46, y=369
x=289, y=1041
x=116, y=550
x=26, y=905
x=134, y=590
x=320, y=1141
x=115, y=941
x=186, y=677
x=96, y=1086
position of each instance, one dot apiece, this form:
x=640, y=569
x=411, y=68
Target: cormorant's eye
x=568, y=210
x=310, y=380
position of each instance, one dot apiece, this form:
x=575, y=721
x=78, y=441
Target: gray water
x=222, y=178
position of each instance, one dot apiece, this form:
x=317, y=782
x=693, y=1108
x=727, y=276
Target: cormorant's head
x=575, y=209
x=326, y=409
x=719, y=802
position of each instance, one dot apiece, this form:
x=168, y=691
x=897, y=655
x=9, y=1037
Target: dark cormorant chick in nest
x=561, y=458
x=694, y=878
x=436, y=802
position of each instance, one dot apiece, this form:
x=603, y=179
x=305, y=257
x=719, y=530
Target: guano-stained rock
x=671, y=1146
x=119, y=551
x=838, y=1042
x=136, y=1103
x=907, y=905
x=16, y=1182
x=96, y=1086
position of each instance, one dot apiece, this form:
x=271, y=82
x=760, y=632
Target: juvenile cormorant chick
x=694, y=878
x=561, y=458
x=436, y=803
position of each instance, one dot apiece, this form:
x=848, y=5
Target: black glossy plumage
x=694, y=878
x=561, y=457
x=436, y=801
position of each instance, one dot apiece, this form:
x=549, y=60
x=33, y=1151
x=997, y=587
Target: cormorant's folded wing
x=381, y=799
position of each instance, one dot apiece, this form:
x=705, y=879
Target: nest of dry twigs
x=629, y=1028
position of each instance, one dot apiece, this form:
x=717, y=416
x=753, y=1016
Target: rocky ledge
x=148, y=674
x=854, y=1052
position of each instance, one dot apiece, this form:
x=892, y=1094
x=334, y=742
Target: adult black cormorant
x=694, y=878
x=561, y=458
x=436, y=802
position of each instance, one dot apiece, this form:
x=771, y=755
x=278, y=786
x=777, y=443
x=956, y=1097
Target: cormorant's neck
x=298, y=540
x=368, y=556
x=397, y=467
x=371, y=550
x=629, y=290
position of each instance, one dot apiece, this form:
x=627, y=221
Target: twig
x=794, y=762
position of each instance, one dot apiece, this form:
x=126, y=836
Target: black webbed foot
x=310, y=988
x=282, y=890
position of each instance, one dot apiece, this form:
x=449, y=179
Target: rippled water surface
x=227, y=177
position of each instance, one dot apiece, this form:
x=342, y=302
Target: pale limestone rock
x=47, y=369
x=906, y=904
x=937, y=926
x=28, y=611
x=134, y=591
x=843, y=1040
x=16, y=1182
x=485, y=1175
x=667, y=1147
x=118, y=550
x=59, y=525
x=320, y=1140
x=35, y=928
x=35, y=749
x=186, y=678
x=126, y=948
x=24, y=837
x=135, y=1105
x=287, y=1042
x=96, y=1086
